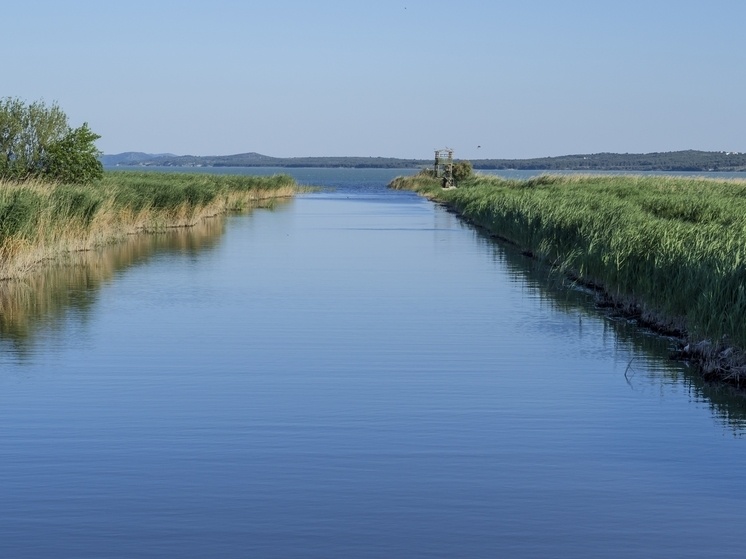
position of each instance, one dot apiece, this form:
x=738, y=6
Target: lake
x=351, y=373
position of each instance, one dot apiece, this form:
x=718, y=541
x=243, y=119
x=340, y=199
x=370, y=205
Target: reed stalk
x=39, y=221
x=671, y=250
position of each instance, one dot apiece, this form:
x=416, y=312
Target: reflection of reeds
x=725, y=402
x=670, y=249
x=71, y=284
x=39, y=221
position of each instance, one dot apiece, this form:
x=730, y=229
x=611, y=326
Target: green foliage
x=19, y=212
x=36, y=142
x=25, y=133
x=74, y=158
x=671, y=244
x=462, y=170
x=40, y=220
x=423, y=182
x=32, y=207
x=140, y=190
x=76, y=202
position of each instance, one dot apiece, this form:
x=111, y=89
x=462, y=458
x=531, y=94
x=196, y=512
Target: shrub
x=74, y=158
x=462, y=170
x=36, y=141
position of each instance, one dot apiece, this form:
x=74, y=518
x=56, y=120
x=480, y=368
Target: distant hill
x=256, y=160
x=689, y=160
x=130, y=158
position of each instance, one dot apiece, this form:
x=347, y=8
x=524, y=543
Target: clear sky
x=390, y=78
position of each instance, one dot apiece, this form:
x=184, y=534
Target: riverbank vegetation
x=669, y=250
x=36, y=142
x=40, y=220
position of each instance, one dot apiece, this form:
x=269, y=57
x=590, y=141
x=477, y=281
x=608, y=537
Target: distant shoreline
x=681, y=161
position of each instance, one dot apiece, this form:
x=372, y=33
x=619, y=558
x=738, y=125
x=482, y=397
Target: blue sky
x=389, y=78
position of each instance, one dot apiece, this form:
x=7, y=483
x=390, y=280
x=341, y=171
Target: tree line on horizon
x=689, y=160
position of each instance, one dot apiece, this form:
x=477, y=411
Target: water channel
x=352, y=373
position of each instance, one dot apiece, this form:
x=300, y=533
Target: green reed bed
x=164, y=191
x=675, y=246
x=39, y=220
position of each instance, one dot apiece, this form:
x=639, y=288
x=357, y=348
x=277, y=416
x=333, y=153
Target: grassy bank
x=669, y=250
x=39, y=221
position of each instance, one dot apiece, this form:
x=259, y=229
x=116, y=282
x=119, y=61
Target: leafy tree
x=462, y=170
x=74, y=158
x=36, y=141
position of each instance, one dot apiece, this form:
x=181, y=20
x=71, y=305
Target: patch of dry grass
x=40, y=221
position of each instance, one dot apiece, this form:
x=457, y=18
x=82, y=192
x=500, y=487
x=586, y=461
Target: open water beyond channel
x=354, y=373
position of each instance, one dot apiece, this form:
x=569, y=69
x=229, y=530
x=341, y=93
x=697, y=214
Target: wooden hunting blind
x=444, y=166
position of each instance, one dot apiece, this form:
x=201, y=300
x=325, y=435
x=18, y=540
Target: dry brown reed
x=40, y=221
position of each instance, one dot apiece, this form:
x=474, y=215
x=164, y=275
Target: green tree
x=462, y=170
x=74, y=158
x=36, y=141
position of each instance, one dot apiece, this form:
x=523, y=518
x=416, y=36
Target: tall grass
x=674, y=246
x=40, y=220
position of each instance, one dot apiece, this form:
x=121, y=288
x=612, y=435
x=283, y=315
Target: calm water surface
x=354, y=373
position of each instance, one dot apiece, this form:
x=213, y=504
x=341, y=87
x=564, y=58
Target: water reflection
x=67, y=293
x=648, y=365
x=69, y=289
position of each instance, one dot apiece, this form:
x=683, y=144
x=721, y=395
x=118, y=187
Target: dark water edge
x=353, y=373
